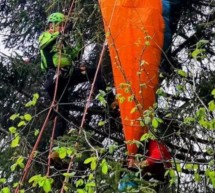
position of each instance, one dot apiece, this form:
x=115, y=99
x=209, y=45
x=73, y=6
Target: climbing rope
x=51, y=144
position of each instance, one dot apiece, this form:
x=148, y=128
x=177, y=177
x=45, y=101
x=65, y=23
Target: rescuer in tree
x=73, y=69
x=56, y=52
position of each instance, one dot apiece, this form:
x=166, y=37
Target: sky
x=2, y=49
x=6, y=51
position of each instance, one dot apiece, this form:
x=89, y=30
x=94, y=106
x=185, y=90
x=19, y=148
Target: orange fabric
x=135, y=33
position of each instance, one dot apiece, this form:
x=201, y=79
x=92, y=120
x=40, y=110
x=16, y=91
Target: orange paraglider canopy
x=135, y=32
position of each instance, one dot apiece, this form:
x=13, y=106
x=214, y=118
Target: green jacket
x=53, y=53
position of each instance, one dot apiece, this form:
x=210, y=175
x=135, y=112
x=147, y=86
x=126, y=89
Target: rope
x=51, y=145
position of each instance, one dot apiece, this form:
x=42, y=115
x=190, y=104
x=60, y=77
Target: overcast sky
x=5, y=51
x=2, y=49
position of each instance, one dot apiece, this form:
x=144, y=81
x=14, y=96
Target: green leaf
x=21, y=117
x=101, y=97
x=13, y=117
x=105, y=169
x=197, y=177
x=32, y=102
x=2, y=180
x=211, y=163
x=178, y=167
x=108, y=88
x=197, y=52
x=136, y=142
x=211, y=175
x=213, y=92
x=66, y=188
x=213, y=181
x=35, y=178
x=22, y=191
x=70, y=151
x=15, y=184
x=104, y=166
x=112, y=148
x=133, y=110
x=168, y=115
x=201, y=43
x=5, y=190
x=62, y=151
x=15, y=141
x=188, y=120
x=166, y=173
x=146, y=136
x=180, y=88
x=41, y=181
x=12, y=130
x=160, y=92
x=36, y=132
x=88, y=160
x=91, y=184
x=201, y=113
x=27, y=117
x=142, y=124
x=47, y=185
x=182, y=73
x=102, y=150
x=91, y=177
x=212, y=124
x=205, y=124
x=81, y=191
x=211, y=105
x=69, y=175
x=210, y=151
x=29, y=104
x=93, y=164
x=155, y=123
x=80, y=182
x=21, y=123
x=19, y=162
x=13, y=167
x=189, y=166
x=101, y=123
x=172, y=173
x=195, y=167
x=36, y=96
